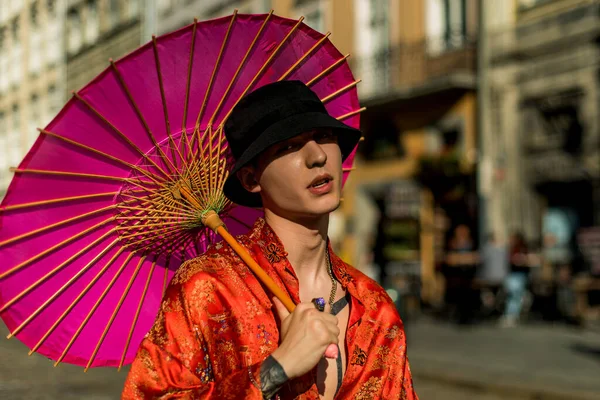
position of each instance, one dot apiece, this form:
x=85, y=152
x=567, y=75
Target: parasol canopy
x=114, y=194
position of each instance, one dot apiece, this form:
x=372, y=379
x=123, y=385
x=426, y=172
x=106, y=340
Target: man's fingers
x=282, y=312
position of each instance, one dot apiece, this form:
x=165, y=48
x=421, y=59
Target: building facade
x=32, y=75
x=544, y=123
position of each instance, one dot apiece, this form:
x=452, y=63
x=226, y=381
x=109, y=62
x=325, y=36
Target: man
x=219, y=335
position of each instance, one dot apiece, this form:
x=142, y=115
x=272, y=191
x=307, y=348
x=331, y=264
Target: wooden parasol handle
x=214, y=222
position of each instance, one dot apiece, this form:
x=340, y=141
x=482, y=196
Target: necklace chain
x=333, y=281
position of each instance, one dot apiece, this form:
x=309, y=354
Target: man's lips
x=320, y=180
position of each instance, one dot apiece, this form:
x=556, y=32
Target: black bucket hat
x=272, y=114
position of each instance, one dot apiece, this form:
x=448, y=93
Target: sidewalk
x=534, y=361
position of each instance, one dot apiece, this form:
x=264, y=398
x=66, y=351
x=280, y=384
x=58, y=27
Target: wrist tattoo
x=272, y=377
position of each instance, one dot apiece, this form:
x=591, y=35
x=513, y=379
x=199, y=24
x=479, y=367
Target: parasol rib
x=118, y=132
x=164, y=103
x=166, y=280
x=115, y=312
x=327, y=70
x=265, y=64
x=57, y=224
x=77, y=299
x=137, y=313
x=63, y=287
x=136, y=182
x=239, y=68
x=161, y=153
x=214, y=71
x=55, y=201
x=340, y=91
x=103, y=154
x=183, y=136
x=313, y=48
x=351, y=114
x=94, y=308
x=348, y=169
x=56, y=246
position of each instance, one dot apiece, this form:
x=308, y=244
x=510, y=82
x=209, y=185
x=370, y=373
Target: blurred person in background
x=492, y=272
x=461, y=261
x=516, y=282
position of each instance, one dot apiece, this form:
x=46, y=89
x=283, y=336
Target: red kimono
x=216, y=326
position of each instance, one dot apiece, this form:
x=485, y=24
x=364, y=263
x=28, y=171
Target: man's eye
x=325, y=136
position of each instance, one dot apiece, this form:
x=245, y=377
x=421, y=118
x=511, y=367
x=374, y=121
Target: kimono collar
x=274, y=251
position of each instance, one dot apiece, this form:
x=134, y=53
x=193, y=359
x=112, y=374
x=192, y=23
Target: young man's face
x=300, y=177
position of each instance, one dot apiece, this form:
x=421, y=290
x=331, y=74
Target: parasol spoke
x=164, y=103
x=183, y=136
x=351, y=114
x=348, y=169
x=309, y=52
x=137, y=313
x=115, y=312
x=265, y=65
x=166, y=198
x=63, y=287
x=77, y=299
x=55, y=201
x=57, y=224
x=327, y=70
x=179, y=214
x=166, y=280
x=239, y=68
x=94, y=308
x=118, y=132
x=136, y=182
x=103, y=154
x=239, y=221
x=340, y=91
x=56, y=246
x=161, y=153
x=211, y=80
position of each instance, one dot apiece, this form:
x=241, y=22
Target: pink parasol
x=115, y=193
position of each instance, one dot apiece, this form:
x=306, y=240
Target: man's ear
x=247, y=176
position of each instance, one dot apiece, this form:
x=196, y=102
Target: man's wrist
x=272, y=377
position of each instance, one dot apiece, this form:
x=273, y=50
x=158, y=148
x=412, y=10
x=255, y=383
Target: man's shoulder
x=215, y=263
x=369, y=291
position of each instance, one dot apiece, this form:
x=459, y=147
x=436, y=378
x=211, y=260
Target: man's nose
x=315, y=155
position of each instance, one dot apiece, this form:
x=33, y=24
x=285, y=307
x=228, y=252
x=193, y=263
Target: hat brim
x=280, y=131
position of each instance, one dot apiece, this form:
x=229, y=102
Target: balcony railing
x=408, y=66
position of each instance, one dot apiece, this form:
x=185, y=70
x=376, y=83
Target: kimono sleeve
x=173, y=361
x=399, y=383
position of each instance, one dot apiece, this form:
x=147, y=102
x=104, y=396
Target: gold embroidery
x=274, y=253
x=359, y=357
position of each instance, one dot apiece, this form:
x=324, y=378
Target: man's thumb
x=282, y=312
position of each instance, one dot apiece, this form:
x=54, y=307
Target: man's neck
x=305, y=241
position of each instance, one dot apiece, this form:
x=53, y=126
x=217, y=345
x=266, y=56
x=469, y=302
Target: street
x=450, y=363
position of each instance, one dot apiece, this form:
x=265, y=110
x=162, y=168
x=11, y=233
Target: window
x=55, y=102
x=17, y=53
x=4, y=62
x=92, y=25
x=34, y=119
x=4, y=164
x=74, y=31
x=133, y=8
x=54, y=42
x=114, y=13
x=35, y=41
x=14, y=140
x=446, y=25
x=313, y=15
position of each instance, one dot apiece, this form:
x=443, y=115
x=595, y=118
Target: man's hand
x=305, y=335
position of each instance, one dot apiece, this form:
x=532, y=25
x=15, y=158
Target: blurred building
x=97, y=30
x=418, y=65
x=542, y=133
x=32, y=75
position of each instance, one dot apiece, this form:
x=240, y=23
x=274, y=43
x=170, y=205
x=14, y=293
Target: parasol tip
x=110, y=60
x=195, y=20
